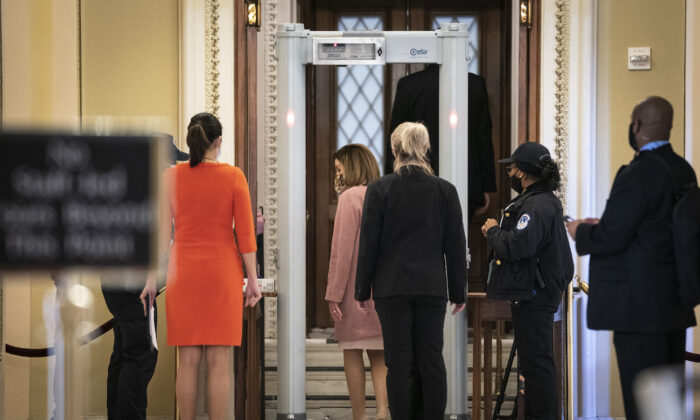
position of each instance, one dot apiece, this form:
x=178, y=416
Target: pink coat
x=343, y=267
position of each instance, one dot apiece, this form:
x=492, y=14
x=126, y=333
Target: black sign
x=76, y=201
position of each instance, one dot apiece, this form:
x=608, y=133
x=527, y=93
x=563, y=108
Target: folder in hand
x=152, y=327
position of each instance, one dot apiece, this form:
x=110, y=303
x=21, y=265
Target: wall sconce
x=253, y=13
x=526, y=12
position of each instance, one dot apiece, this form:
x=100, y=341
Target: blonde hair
x=410, y=143
x=359, y=165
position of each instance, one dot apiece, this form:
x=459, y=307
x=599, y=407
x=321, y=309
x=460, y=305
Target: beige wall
x=637, y=23
x=40, y=90
x=693, y=76
x=130, y=65
x=40, y=63
x=130, y=78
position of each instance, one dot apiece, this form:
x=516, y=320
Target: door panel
x=323, y=108
x=491, y=50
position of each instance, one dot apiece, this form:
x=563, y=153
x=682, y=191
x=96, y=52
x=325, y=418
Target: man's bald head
x=652, y=120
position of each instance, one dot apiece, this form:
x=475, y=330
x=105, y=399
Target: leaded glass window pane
x=473, y=25
x=361, y=95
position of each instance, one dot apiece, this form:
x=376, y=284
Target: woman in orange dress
x=214, y=238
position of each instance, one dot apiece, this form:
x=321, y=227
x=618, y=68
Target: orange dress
x=204, y=299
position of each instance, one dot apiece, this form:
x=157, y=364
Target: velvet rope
x=49, y=351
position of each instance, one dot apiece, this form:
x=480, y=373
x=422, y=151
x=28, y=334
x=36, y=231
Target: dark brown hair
x=203, y=130
x=359, y=165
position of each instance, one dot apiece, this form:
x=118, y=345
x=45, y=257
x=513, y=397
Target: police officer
x=530, y=266
x=133, y=360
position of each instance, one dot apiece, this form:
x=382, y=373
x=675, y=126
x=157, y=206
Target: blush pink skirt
x=371, y=343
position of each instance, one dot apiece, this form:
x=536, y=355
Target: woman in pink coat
x=355, y=167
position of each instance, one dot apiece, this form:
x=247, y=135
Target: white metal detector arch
x=297, y=47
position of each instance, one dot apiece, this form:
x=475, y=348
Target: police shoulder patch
x=523, y=222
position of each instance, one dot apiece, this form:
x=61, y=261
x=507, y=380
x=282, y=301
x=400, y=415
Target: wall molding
x=206, y=67
x=192, y=54
x=580, y=160
x=561, y=106
x=270, y=142
x=270, y=136
x=212, y=59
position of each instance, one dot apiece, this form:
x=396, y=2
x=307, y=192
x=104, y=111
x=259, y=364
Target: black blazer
x=530, y=242
x=633, y=284
x=412, y=238
x=417, y=100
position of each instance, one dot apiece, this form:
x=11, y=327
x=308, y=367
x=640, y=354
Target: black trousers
x=533, y=327
x=639, y=351
x=133, y=362
x=416, y=380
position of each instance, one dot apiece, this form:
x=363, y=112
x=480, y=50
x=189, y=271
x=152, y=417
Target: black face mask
x=633, y=143
x=515, y=184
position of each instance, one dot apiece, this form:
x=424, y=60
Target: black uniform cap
x=528, y=157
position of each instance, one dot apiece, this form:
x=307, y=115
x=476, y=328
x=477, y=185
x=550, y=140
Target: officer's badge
x=523, y=222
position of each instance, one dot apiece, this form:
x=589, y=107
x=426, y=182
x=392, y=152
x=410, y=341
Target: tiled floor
x=327, y=397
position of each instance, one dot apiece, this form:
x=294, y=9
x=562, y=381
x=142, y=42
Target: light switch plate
x=639, y=58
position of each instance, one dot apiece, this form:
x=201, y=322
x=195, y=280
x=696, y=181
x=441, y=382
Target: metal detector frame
x=448, y=47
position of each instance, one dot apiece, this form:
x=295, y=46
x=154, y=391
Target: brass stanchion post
x=499, y=355
x=569, y=353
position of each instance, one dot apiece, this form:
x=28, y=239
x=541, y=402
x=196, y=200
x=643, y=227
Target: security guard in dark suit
x=530, y=266
x=633, y=286
x=133, y=361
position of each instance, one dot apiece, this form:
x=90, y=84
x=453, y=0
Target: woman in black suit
x=412, y=259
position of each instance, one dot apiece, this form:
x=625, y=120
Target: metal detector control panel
x=349, y=50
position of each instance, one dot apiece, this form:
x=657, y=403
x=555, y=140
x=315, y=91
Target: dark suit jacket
x=412, y=239
x=633, y=286
x=417, y=100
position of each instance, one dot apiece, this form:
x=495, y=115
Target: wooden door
x=489, y=27
x=326, y=106
x=327, y=115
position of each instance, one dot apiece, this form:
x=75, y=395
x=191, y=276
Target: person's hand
x=336, y=313
x=260, y=223
x=459, y=307
x=149, y=291
x=571, y=228
x=252, y=293
x=488, y=225
x=363, y=306
x=573, y=225
x=487, y=203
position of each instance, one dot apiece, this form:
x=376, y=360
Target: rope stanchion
x=692, y=357
x=49, y=351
